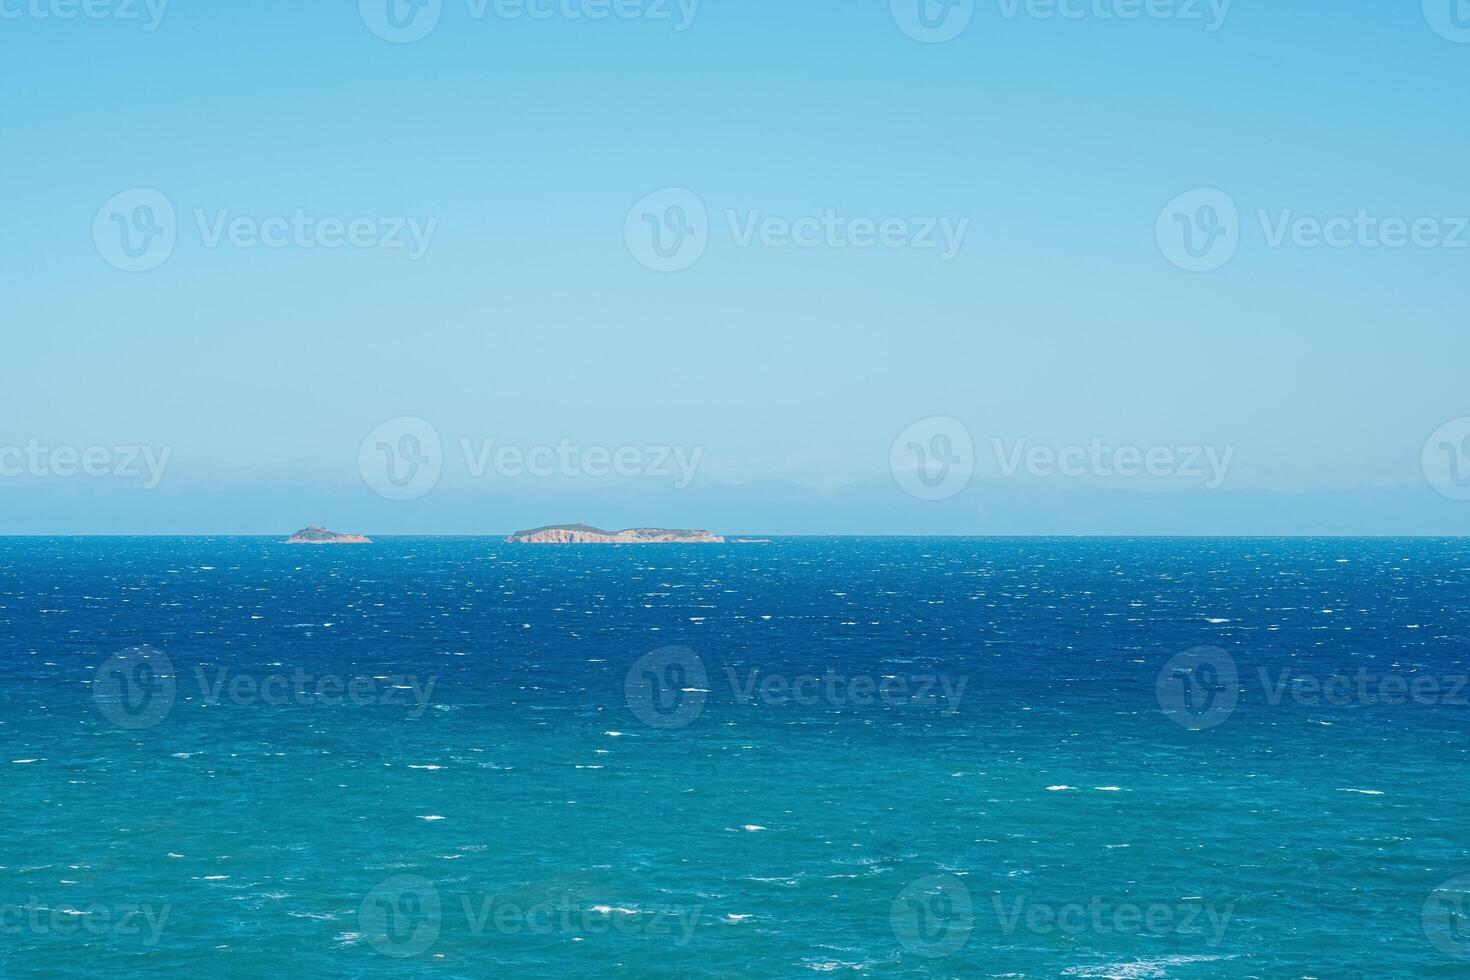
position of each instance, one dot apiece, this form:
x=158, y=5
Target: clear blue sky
x=527, y=320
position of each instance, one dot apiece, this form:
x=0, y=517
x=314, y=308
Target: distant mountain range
x=756, y=509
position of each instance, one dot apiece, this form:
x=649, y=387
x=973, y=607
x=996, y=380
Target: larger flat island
x=586, y=534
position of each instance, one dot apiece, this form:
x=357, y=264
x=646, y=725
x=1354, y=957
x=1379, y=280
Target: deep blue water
x=222, y=756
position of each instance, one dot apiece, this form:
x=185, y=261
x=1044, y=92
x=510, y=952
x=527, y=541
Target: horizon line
x=491, y=535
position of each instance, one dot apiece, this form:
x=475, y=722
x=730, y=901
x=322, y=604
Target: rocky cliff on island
x=583, y=534
x=320, y=535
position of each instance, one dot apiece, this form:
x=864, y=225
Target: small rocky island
x=320, y=535
x=584, y=534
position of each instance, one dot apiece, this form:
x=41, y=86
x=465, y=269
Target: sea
x=795, y=757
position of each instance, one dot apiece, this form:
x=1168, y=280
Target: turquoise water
x=460, y=758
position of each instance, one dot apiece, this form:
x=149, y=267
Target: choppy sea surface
x=459, y=758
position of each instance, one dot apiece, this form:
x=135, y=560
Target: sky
x=837, y=266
